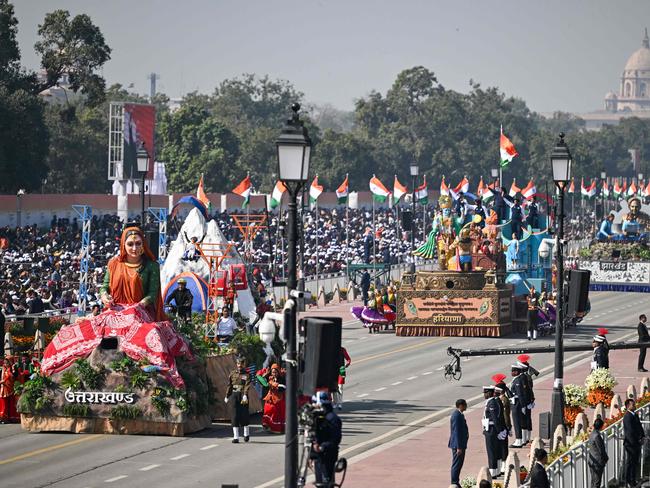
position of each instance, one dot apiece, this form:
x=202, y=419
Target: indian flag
x=422, y=192
x=605, y=189
x=343, y=191
x=314, y=191
x=481, y=187
x=632, y=190
x=507, y=150
x=244, y=190
x=463, y=187
x=514, y=189
x=488, y=194
x=530, y=190
x=647, y=190
x=378, y=190
x=399, y=191
x=589, y=191
x=444, y=189
x=572, y=187
x=202, y=197
x=276, y=196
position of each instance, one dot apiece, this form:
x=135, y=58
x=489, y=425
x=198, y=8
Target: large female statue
x=133, y=315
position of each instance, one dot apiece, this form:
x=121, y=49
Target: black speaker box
x=321, y=354
x=407, y=220
x=578, y=291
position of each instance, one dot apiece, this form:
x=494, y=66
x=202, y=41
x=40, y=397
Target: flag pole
x=347, y=238
x=374, y=235
x=317, y=254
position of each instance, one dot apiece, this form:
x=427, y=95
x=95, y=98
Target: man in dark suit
x=538, y=476
x=632, y=441
x=644, y=336
x=458, y=440
x=597, y=458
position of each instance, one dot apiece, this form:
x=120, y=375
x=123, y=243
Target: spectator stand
x=85, y=213
x=160, y=216
x=213, y=253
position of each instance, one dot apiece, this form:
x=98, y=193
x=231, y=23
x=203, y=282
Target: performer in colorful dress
x=344, y=364
x=133, y=315
x=274, y=403
x=7, y=397
x=239, y=383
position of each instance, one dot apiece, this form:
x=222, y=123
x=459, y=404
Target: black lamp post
x=561, y=163
x=143, y=168
x=415, y=171
x=294, y=151
x=603, y=184
x=19, y=207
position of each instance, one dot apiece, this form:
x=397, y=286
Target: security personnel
x=183, y=299
x=533, y=214
x=502, y=392
x=325, y=448
x=239, y=383
x=601, y=350
x=493, y=429
x=520, y=401
x=517, y=218
x=529, y=372
x=532, y=301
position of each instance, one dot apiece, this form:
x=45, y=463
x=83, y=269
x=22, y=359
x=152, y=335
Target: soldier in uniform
x=502, y=392
x=239, y=383
x=601, y=350
x=493, y=429
x=520, y=401
x=532, y=301
x=529, y=372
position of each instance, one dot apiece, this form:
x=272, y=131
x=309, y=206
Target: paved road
x=394, y=386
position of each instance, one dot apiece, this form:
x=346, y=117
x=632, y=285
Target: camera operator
x=325, y=445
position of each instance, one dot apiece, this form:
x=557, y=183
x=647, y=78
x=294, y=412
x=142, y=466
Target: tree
x=76, y=48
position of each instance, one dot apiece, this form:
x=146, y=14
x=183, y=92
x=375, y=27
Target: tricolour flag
x=488, y=194
x=462, y=186
x=506, y=149
x=244, y=190
x=617, y=190
x=276, y=196
x=647, y=190
x=201, y=196
x=632, y=190
x=572, y=187
x=514, y=189
x=588, y=191
x=379, y=191
x=530, y=190
x=343, y=191
x=399, y=190
x=605, y=189
x=315, y=190
x=422, y=192
x=444, y=189
x=481, y=187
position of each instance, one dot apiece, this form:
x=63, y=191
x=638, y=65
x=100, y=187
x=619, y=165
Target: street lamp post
x=294, y=151
x=19, y=206
x=603, y=183
x=143, y=168
x=494, y=172
x=561, y=164
x=639, y=180
x=415, y=171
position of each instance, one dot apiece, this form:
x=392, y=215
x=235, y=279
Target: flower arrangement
x=600, y=395
x=575, y=396
x=600, y=383
x=468, y=482
x=523, y=473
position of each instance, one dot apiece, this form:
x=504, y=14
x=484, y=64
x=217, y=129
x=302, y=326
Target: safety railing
x=571, y=469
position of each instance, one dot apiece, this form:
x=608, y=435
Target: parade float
x=130, y=370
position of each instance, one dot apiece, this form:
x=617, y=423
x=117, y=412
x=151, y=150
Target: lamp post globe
x=142, y=157
x=561, y=162
x=293, y=148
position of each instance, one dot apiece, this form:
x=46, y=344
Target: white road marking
x=110, y=480
x=180, y=456
x=381, y=389
x=411, y=378
x=396, y=383
x=150, y=467
x=430, y=372
x=362, y=395
x=210, y=446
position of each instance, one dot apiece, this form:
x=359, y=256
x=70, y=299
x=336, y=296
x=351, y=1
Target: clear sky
x=555, y=54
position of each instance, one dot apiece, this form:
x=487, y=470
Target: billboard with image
x=129, y=125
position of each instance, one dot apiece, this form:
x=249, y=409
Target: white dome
x=640, y=59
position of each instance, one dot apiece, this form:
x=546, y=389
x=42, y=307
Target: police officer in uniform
x=183, y=299
x=520, y=401
x=601, y=350
x=493, y=429
x=502, y=392
x=325, y=447
x=239, y=383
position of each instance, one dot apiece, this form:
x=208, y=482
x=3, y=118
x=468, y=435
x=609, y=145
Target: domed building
x=633, y=97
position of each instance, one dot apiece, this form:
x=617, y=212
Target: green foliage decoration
x=76, y=410
x=34, y=394
x=125, y=412
x=92, y=378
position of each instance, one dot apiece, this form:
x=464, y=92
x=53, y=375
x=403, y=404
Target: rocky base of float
x=456, y=304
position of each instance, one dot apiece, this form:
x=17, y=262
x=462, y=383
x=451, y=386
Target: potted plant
x=600, y=384
x=575, y=400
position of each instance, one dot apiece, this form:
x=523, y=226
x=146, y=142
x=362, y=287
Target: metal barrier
x=572, y=470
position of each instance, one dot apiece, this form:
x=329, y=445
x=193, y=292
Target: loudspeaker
x=407, y=220
x=152, y=241
x=321, y=354
x=578, y=292
x=545, y=425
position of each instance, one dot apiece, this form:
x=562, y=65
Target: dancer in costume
x=239, y=383
x=344, y=364
x=133, y=315
x=7, y=397
x=274, y=402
